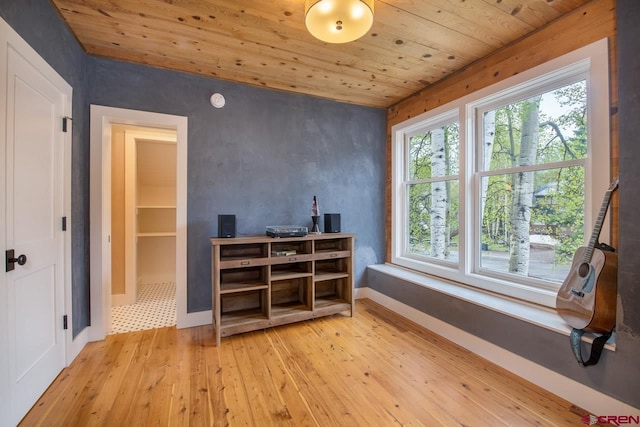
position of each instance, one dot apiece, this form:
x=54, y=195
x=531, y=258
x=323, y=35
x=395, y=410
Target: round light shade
x=338, y=21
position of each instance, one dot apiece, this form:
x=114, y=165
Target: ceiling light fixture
x=338, y=21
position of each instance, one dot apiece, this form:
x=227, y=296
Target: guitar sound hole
x=583, y=270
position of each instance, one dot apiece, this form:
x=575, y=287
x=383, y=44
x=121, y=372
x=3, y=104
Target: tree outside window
x=434, y=193
x=532, y=194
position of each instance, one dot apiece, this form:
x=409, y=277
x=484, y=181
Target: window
x=432, y=188
x=497, y=190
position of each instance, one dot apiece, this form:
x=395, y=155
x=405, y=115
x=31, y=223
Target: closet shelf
x=156, y=206
x=158, y=234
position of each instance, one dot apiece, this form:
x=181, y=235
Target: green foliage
x=420, y=191
x=558, y=192
x=558, y=200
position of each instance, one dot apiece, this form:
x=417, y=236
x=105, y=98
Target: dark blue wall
x=628, y=17
x=39, y=24
x=627, y=359
x=262, y=157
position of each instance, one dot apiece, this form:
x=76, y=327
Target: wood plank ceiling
x=412, y=44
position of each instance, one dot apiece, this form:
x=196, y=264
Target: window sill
x=526, y=312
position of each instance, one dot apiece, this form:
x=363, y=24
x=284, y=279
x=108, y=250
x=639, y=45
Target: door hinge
x=65, y=322
x=65, y=119
x=64, y=223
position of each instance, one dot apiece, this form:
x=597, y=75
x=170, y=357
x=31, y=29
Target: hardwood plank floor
x=373, y=369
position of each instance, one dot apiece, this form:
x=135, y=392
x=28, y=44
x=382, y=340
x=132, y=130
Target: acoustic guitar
x=587, y=298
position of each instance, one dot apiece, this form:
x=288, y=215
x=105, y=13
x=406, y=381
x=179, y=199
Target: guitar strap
x=596, y=348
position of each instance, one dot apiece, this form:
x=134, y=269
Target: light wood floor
x=375, y=369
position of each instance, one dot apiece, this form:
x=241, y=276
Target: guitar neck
x=588, y=253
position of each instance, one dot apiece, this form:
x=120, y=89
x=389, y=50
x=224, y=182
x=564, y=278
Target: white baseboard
x=118, y=300
x=585, y=397
x=199, y=318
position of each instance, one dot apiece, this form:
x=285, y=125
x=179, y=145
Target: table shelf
x=255, y=288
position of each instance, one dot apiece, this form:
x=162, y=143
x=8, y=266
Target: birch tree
x=489, y=134
x=438, y=215
x=542, y=130
x=420, y=197
x=522, y=187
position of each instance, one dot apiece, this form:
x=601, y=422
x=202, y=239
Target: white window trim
x=596, y=57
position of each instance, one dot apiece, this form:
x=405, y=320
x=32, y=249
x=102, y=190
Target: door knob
x=11, y=260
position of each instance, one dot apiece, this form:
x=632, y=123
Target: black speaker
x=226, y=226
x=332, y=223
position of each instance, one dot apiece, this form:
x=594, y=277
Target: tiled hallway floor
x=155, y=308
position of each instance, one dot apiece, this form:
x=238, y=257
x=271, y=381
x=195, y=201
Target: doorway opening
x=105, y=122
x=143, y=228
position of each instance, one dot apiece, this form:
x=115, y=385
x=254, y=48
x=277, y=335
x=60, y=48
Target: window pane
x=434, y=153
x=533, y=222
x=433, y=220
x=550, y=127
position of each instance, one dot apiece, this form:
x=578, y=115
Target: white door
x=33, y=336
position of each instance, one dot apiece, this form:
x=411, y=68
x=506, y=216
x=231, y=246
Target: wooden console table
x=260, y=281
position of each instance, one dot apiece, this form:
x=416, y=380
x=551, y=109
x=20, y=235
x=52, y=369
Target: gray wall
x=262, y=157
x=39, y=24
x=628, y=16
x=627, y=360
x=618, y=373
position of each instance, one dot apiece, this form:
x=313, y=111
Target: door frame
x=10, y=38
x=102, y=117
